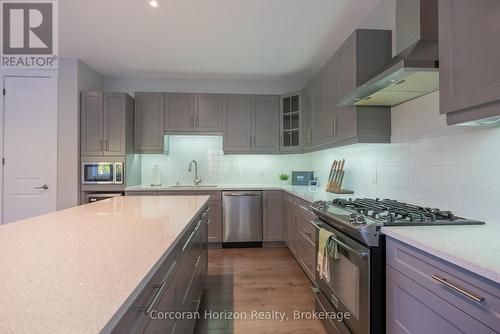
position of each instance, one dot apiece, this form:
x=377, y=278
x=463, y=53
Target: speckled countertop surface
x=304, y=192
x=475, y=247
x=71, y=270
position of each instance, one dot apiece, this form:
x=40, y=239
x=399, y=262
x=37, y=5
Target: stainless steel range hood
x=415, y=70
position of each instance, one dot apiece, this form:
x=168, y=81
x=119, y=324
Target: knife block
x=334, y=184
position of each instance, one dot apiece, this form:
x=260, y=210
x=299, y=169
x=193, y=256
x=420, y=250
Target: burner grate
x=391, y=211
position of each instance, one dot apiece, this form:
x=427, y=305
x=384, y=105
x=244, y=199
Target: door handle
x=44, y=187
x=241, y=194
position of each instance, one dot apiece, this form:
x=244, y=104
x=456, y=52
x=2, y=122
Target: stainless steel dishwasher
x=242, y=217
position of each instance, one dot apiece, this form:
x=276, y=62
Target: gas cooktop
x=362, y=218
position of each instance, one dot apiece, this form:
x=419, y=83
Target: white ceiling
x=237, y=39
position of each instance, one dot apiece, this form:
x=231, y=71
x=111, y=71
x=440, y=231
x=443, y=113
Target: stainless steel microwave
x=102, y=173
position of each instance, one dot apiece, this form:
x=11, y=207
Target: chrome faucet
x=197, y=180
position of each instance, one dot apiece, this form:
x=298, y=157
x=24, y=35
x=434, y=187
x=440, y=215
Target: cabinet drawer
x=304, y=209
x=474, y=295
x=309, y=230
x=307, y=255
x=411, y=308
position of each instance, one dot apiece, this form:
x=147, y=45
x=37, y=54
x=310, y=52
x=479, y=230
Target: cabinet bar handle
x=306, y=209
x=101, y=146
x=197, y=120
x=192, y=121
x=107, y=144
x=458, y=289
x=334, y=125
x=160, y=288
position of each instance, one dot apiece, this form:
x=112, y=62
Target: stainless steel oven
x=102, y=173
x=354, y=288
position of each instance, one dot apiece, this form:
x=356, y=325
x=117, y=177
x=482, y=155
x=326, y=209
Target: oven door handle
x=350, y=249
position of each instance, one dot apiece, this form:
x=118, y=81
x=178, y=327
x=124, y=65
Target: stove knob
x=360, y=220
x=357, y=219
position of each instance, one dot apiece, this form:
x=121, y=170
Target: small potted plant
x=284, y=178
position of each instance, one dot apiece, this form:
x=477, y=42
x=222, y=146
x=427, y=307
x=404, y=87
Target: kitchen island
x=101, y=267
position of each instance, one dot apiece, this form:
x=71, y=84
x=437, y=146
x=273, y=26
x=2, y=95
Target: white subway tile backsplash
x=428, y=163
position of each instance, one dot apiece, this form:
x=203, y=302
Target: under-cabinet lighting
x=154, y=3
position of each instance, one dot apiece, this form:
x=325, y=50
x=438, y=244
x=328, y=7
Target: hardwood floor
x=249, y=280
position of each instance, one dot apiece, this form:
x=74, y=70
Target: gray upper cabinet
x=326, y=124
x=469, y=62
x=179, y=112
x=292, y=128
x=307, y=116
x=208, y=113
x=265, y=124
x=92, y=116
x=317, y=110
x=251, y=124
x=237, y=123
x=330, y=83
x=149, y=122
x=118, y=124
x=106, y=124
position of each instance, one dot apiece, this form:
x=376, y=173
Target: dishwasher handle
x=242, y=194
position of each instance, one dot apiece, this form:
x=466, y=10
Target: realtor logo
x=29, y=34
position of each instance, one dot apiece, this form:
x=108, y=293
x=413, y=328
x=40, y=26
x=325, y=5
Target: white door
x=30, y=147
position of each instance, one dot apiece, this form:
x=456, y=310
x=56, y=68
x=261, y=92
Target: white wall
x=131, y=85
x=74, y=76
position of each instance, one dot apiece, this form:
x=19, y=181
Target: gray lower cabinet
x=214, y=223
x=265, y=123
x=469, y=65
x=149, y=129
x=106, y=124
x=208, y=113
x=300, y=233
x=425, y=294
x=179, y=112
x=237, y=124
x=273, y=215
x=175, y=285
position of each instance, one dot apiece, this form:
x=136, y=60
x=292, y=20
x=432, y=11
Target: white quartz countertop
x=474, y=247
x=70, y=271
x=304, y=192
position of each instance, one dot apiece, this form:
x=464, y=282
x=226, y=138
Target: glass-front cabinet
x=291, y=114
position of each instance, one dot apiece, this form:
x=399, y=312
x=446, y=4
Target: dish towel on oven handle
x=328, y=248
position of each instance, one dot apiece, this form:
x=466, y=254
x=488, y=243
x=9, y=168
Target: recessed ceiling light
x=154, y=3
